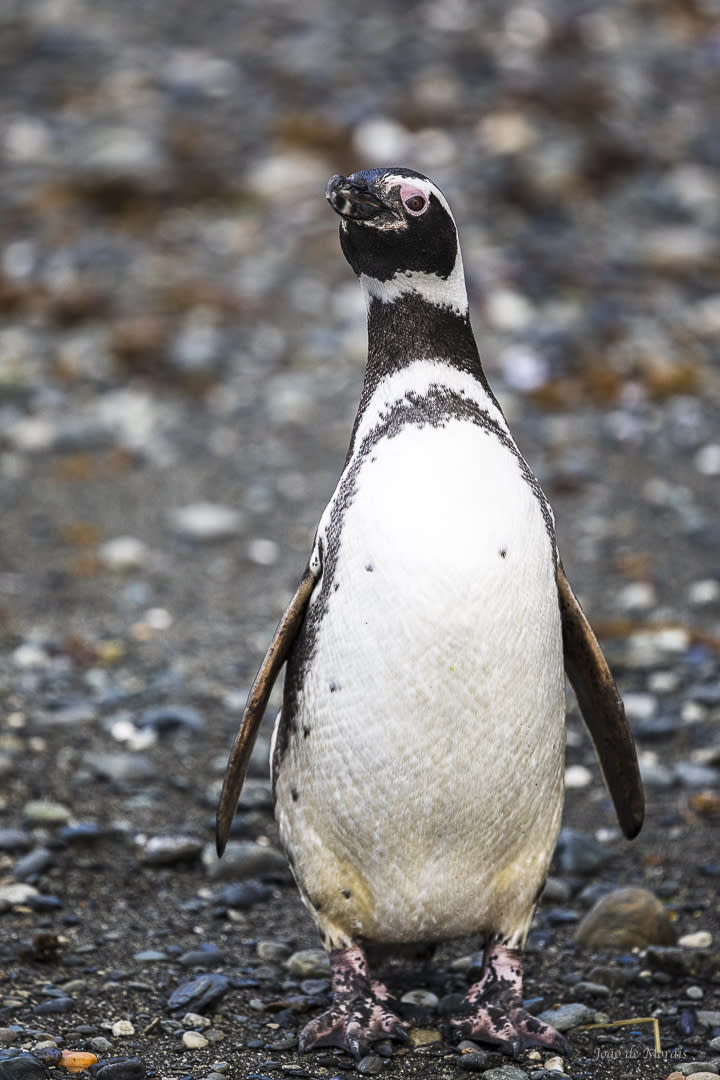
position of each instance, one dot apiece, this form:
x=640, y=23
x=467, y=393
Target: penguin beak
x=354, y=199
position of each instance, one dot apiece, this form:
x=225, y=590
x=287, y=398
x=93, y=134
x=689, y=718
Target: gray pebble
x=150, y=956
x=121, y=1068
x=242, y=894
x=309, y=963
x=205, y=956
x=569, y=1016
x=15, y=840
x=82, y=832
x=121, y=767
x=164, y=718
x=689, y=1068
x=100, y=1045
x=714, y=1044
x=370, y=1065
x=578, y=853
x=22, y=1067
x=31, y=864
x=273, y=951
x=691, y=774
x=506, y=1072
x=473, y=1060
x=199, y=992
x=245, y=859
x=55, y=1006
x=171, y=850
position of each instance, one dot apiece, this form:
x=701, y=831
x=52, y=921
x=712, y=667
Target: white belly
x=426, y=763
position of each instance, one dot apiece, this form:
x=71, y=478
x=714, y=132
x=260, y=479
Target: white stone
x=507, y=310
x=381, y=139
x=707, y=460
x=577, y=776
x=194, y=1040
x=701, y=939
x=705, y=591
x=263, y=552
x=640, y=706
x=637, y=596
x=205, y=522
x=123, y=553
x=122, y=1029
x=523, y=368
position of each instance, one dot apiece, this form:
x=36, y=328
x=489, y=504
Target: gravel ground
x=181, y=351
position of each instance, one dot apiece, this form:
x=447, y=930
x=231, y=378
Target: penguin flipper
x=602, y=710
x=255, y=707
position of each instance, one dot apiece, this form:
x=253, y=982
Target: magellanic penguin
x=418, y=758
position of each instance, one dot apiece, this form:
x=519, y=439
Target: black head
x=397, y=228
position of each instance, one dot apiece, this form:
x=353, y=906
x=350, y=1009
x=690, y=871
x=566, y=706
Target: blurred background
x=182, y=343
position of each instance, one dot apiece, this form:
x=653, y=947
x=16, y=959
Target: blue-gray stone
x=15, y=840
x=166, y=718
x=119, y=1068
x=54, y=1006
x=205, y=956
x=578, y=853
x=31, y=864
x=22, y=1067
x=569, y=1016
x=199, y=992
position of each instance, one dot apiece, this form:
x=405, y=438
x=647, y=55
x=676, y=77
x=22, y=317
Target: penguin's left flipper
x=256, y=705
x=602, y=711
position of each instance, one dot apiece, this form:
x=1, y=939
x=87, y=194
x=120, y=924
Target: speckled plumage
x=418, y=757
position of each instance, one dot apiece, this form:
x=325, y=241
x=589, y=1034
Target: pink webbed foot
x=493, y=1012
x=360, y=1013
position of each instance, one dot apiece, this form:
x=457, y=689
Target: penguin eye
x=414, y=201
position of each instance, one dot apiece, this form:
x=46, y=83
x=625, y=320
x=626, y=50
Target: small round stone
x=194, y=1040
x=309, y=963
x=123, y=1029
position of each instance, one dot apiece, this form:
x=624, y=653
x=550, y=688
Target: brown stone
x=625, y=919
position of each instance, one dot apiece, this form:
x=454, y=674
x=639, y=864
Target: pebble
x=22, y=1067
x=199, y=992
x=194, y=1040
x=35, y=862
x=506, y=1072
x=242, y=894
x=16, y=895
x=246, y=859
x=14, y=840
x=578, y=853
x=695, y=993
x=273, y=951
x=122, y=1029
x=166, y=718
x=472, y=1060
x=150, y=956
x=55, y=1006
x=309, y=963
x=120, y=1068
x=205, y=956
x=370, y=1065
x=569, y=1016
x=195, y=1020
x=171, y=850
x=123, y=553
x=625, y=919
x=207, y=523
x=46, y=812
x=424, y=998
x=121, y=767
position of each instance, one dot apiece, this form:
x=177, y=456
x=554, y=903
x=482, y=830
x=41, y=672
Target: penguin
x=418, y=757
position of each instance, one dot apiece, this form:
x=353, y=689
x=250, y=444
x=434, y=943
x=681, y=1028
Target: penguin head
x=399, y=236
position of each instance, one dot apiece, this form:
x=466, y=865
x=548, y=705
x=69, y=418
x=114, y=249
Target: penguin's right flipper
x=602, y=710
x=256, y=705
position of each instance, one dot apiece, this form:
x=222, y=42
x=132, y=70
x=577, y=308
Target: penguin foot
x=493, y=1012
x=360, y=1013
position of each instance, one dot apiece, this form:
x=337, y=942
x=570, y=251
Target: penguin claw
x=354, y=1028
